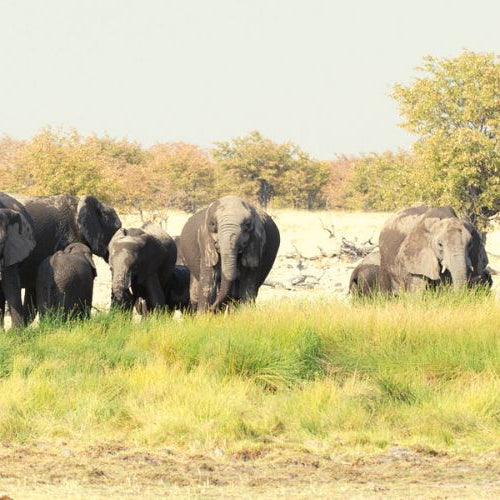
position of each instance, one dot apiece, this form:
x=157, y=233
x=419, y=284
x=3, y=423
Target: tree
x=384, y=181
x=192, y=176
x=259, y=169
x=59, y=162
x=454, y=109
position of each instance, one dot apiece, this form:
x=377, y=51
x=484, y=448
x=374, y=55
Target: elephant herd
x=223, y=254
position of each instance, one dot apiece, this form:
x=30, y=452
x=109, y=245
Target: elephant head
x=97, y=224
x=84, y=251
x=124, y=259
x=141, y=259
x=16, y=237
x=443, y=248
x=232, y=231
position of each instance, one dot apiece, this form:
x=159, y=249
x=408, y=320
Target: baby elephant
x=365, y=276
x=177, y=289
x=65, y=282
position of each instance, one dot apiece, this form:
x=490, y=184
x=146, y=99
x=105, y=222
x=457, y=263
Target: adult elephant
x=423, y=245
x=229, y=248
x=364, y=279
x=16, y=243
x=141, y=262
x=59, y=221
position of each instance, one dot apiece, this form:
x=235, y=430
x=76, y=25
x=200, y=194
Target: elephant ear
x=416, y=255
x=19, y=241
x=90, y=220
x=206, y=243
x=252, y=253
x=477, y=252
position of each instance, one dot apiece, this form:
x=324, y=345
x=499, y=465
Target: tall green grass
x=418, y=370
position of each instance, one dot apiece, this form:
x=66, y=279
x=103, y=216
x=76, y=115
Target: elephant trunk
x=120, y=288
x=458, y=269
x=228, y=241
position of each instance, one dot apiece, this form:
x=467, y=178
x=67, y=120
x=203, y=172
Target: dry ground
x=303, y=241
x=105, y=471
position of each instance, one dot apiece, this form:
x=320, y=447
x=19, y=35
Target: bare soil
x=110, y=471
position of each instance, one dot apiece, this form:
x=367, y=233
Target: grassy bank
x=422, y=372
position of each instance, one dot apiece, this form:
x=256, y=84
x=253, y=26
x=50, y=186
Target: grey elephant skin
x=425, y=246
x=365, y=277
x=65, y=283
x=229, y=248
x=177, y=289
x=141, y=262
x=17, y=241
x=59, y=221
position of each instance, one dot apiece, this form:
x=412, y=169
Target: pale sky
x=314, y=72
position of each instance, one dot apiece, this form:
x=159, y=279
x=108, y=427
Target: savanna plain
x=306, y=393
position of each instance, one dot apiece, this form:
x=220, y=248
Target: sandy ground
x=111, y=471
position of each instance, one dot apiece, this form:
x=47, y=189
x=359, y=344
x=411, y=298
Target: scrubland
x=304, y=393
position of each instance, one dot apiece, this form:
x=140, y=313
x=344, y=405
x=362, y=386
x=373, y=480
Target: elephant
x=425, y=246
x=17, y=241
x=229, y=248
x=142, y=261
x=364, y=279
x=177, y=289
x=65, y=282
x=59, y=221
x=181, y=261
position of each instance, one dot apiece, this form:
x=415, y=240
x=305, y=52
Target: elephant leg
x=11, y=285
x=248, y=288
x=2, y=307
x=207, y=289
x=30, y=303
x=155, y=298
x=193, y=292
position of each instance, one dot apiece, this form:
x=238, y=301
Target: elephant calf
x=177, y=289
x=65, y=282
x=365, y=277
x=141, y=262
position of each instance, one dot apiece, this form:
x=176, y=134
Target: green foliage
x=53, y=163
x=406, y=371
x=251, y=162
x=384, y=181
x=454, y=108
x=176, y=175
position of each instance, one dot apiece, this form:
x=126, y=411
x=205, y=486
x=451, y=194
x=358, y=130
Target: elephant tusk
x=443, y=269
x=471, y=267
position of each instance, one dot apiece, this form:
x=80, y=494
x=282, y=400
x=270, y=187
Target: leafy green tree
x=259, y=169
x=384, y=181
x=454, y=109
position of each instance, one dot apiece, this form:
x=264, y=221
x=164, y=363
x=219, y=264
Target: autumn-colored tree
x=338, y=189
x=192, y=177
x=9, y=153
x=56, y=162
x=454, y=109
